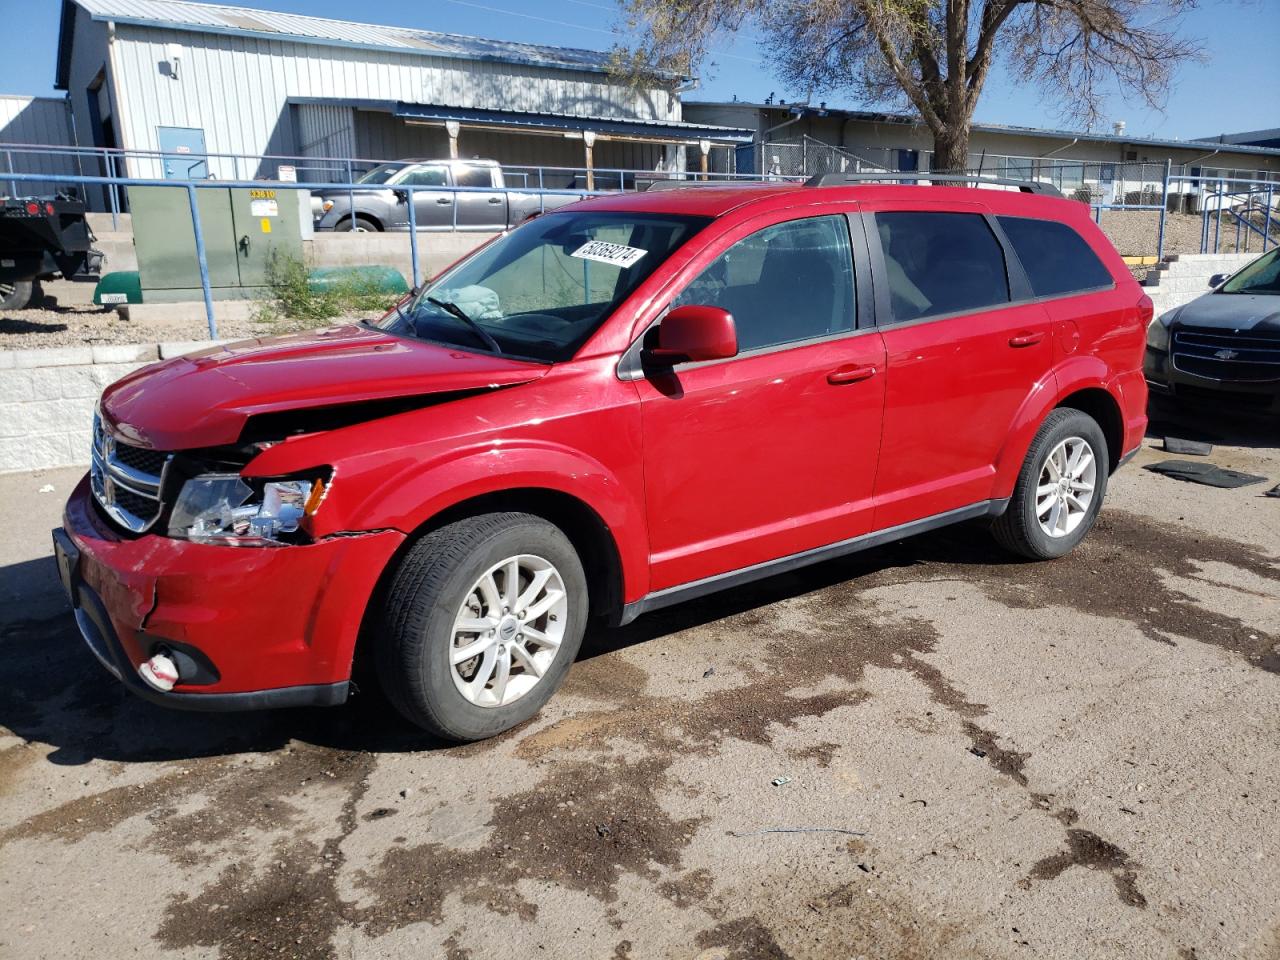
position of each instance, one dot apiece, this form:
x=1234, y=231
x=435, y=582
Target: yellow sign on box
x=266, y=225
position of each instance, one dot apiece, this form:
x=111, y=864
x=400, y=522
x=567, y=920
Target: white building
x=196, y=80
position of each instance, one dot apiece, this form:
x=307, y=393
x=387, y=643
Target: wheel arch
x=363, y=215
x=578, y=520
x=1099, y=404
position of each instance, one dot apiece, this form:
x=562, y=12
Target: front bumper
x=1165, y=379
x=256, y=627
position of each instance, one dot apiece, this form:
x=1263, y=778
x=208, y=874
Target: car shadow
x=58, y=695
x=1211, y=421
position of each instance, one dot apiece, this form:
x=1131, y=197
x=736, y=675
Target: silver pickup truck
x=490, y=206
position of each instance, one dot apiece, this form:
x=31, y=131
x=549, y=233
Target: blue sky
x=1207, y=99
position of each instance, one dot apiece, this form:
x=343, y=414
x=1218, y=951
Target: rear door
x=772, y=452
x=962, y=356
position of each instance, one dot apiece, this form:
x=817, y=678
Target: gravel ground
x=1076, y=759
x=60, y=326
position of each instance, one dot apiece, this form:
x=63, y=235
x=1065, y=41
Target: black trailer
x=42, y=238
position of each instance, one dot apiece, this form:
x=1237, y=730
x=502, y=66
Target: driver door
x=433, y=209
x=772, y=452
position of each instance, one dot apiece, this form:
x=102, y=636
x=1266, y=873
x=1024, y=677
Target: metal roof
x=269, y=24
x=805, y=109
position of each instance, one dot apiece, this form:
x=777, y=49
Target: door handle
x=1028, y=338
x=844, y=375
x=443, y=200
x=495, y=199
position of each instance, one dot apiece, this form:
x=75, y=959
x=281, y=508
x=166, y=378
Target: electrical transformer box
x=244, y=229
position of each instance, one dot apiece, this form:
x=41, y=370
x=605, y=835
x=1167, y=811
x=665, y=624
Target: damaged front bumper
x=249, y=627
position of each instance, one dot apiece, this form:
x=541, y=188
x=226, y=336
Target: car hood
x=1231, y=311
x=204, y=399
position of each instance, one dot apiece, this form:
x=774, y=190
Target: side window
x=1056, y=258
x=941, y=263
x=789, y=282
x=426, y=177
x=473, y=176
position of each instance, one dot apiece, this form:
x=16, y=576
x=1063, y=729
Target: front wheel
x=1059, y=489
x=482, y=621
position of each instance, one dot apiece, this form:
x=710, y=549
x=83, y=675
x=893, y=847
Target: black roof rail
x=684, y=184
x=845, y=179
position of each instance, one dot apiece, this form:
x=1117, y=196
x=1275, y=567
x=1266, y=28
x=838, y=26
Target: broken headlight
x=225, y=508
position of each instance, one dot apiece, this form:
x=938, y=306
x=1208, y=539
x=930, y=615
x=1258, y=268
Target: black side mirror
x=1218, y=279
x=402, y=196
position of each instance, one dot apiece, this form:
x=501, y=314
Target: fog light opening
x=160, y=671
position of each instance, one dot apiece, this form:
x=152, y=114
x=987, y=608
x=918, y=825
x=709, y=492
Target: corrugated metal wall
x=34, y=120
x=237, y=89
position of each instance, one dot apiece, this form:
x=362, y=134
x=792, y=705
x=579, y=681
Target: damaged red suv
x=628, y=402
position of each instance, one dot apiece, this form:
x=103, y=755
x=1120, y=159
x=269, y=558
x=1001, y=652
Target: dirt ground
x=983, y=758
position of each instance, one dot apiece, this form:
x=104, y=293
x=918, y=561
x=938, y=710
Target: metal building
x=34, y=120
x=195, y=80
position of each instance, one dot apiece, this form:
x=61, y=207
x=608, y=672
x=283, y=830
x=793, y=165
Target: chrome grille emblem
x=1226, y=354
x=127, y=494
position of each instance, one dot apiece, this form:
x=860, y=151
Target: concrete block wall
x=47, y=398
x=1183, y=277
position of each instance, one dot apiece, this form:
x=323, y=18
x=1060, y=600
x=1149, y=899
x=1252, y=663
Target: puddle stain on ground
x=1086, y=849
x=619, y=828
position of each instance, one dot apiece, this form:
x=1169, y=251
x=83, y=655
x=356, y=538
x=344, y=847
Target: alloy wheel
x=508, y=630
x=1066, y=487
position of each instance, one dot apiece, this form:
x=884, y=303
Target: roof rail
x=685, y=184
x=844, y=179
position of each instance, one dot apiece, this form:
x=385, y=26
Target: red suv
x=626, y=403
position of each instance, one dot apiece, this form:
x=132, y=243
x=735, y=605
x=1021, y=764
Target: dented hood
x=204, y=399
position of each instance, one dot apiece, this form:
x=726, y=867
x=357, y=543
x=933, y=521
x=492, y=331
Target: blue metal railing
x=191, y=186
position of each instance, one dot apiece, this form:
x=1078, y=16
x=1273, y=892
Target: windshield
x=381, y=173
x=539, y=292
x=1261, y=276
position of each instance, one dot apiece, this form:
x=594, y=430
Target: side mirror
x=1218, y=279
x=402, y=196
x=694, y=333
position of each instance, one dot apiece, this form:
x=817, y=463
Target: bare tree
x=934, y=55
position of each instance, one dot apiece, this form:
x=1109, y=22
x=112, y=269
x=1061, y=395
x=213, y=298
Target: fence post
x=113, y=192
x=13, y=184
x=1164, y=210
x=351, y=194
x=1217, y=224
x=1266, y=220
x=202, y=260
x=413, y=238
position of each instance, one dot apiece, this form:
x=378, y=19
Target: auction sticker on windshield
x=614, y=253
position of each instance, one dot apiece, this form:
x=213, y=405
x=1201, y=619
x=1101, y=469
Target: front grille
x=1226, y=355
x=127, y=481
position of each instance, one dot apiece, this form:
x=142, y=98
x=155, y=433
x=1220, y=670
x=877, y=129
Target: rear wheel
x=18, y=294
x=1059, y=490
x=482, y=621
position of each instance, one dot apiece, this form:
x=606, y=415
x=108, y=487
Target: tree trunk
x=951, y=150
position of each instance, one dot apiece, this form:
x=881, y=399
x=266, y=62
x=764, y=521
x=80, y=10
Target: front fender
x=412, y=496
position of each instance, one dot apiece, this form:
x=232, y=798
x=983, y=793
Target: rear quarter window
x=1057, y=260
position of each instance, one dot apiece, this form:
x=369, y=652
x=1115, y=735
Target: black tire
x=415, y=637
x=357, y=225
x=1018, y=529
x=18, y=294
